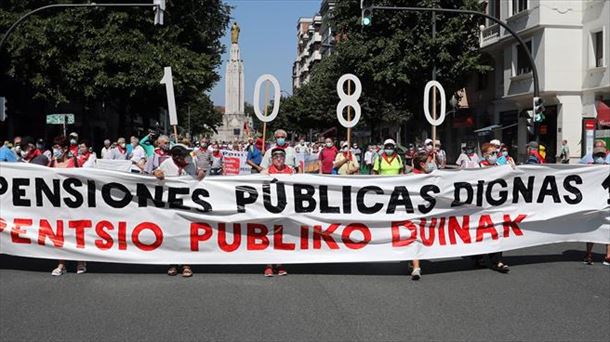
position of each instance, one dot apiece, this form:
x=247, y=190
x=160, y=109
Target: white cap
x=389, y=142
x=495, y=142
x=427, y=141
x=344, y=144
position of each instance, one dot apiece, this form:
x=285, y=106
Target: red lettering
x=257, y=232
x=304, y=237
x=486, y=226
x=45, y=231
x=349, y=243
x=278, y=241
x=222, y=237
x=17, y=231
x=441, y=232
x=79, y=227
x=462, y=231
x=427, y=240
x=396, y=239
x=135, y=236
x=196, y=237
x=2, y=224
x=122, y=235
x=105, y=241
x=508, y=224
x=319, y=234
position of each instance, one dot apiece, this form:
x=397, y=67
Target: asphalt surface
x=549, y=295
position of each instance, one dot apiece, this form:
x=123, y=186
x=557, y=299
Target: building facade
x=569, y=42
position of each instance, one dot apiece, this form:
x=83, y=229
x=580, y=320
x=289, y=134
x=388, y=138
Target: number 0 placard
x=441, y=90
x=276, y=97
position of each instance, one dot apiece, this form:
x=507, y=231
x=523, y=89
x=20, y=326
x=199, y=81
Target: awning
x=603, y=113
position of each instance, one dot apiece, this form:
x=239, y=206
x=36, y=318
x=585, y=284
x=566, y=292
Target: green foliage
x=394, y=59
x=117, y=55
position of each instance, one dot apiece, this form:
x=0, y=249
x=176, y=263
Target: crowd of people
x=160, y=157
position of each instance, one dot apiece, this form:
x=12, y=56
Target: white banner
x=101, y=215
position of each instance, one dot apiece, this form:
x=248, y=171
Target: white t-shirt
x=137, y=155
x=170, y=169
x=368, y=157
x=291, y=159
x=468, y=162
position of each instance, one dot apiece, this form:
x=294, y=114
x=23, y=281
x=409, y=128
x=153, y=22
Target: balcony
x=490, y=35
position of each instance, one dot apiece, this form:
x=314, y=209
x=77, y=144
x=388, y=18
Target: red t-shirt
x=287, y=170
x=327, y=156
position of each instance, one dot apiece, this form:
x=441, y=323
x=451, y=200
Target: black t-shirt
x=40, y=160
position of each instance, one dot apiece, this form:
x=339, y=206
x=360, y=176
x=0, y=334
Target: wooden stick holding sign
x=433, y=120
x=276, y=102
x=350, y=101
x=171, y=100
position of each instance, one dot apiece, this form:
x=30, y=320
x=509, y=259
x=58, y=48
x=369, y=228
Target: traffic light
x=159, y=10
x=530, y=121
x=2, y=108
x=538, y=108
x=367, y=12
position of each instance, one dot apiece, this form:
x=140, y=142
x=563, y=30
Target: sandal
x=187, y=272
x=500, y=267
x=172, y=271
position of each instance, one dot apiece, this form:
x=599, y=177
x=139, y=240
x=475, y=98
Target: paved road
x=548, y=295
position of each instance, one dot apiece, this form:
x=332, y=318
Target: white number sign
x=441, y=90
x=169, y=90
x=349, y=100
x=276, y=98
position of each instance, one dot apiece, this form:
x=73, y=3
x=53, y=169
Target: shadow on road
x=377, y=268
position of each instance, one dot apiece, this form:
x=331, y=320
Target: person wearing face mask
x=327, y=156
x=504, y=158
x=440, y=156
x=368, y=160
x=137, y=156
x=161, y=153
x=106, y=149
x=203, y=155
x=468, y=159
x=62, y=158
x=255, y=156
x=389, y=162
x=280, y=142
x=357, y=153
x=301, y=147
x=590, y=159
x=85, y=157
x=16, y=147
x=119, y=152
x=175, y=166
x=27, y=150
x=216, y=161
x=6, y=154
x=599, y=155
x=490, y=160
x=346, y=162
x=73, y=138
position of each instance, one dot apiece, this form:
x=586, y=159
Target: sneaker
x=607, y=261
x=281, y=271
x=588, y=260
x=268, y=271
x=81, y=267
x=416, y=274
x=60, y=270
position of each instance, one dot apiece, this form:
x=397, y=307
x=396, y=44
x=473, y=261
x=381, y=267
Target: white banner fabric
x=102, y=215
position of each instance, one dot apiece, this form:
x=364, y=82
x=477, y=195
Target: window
x=523, y=62
x=519, y=6
x=494, y=9
x=236, y=131
x=598, y=48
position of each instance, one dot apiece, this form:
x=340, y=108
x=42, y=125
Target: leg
x=186, y=271
x=60, y=269
x=607, y=258
x=172, y=270
x=268, y=271
x=588, y=256
x=281, y=270
x=416, y=273
x=496, y=263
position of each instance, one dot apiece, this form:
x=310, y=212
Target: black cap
x=278, y=151
x=180, y=149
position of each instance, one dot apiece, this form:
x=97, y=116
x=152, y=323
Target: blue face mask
x=57, y=153
x=492, y=159
x=505, y=153
x=280, y=141
x=430, y=167
x=388, y=151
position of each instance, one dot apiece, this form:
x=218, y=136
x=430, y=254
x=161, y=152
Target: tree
x=116, y=55
x=393, y=58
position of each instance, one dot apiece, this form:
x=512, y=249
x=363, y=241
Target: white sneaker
x=81, y=267
x=416, y=274
x=60, y=270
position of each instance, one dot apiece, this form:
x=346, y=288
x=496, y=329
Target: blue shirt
x=6, y=155
x=255, y=155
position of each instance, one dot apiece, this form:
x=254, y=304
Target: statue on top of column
x=234, y=33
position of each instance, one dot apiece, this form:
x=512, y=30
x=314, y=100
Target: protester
x=328, y=154
x=119, y=152
x=504, y=158
x=203, y=156
x=280, y=142
x=63, y=158
x=599, y=155
x=106, y=149
x=278, y=166
x=468, y=159
x=137, y=156
x=490, y=153
x=216, y=166
x=42, y=146
x=73, y=143
x=368, y=160
x=160, y=154
x=176, y=166
x=564, y=152
x=28, y=150
x=440, y=156
x=357, y=153
x=542, y=152
x=389, y=162
x=85, y=158
x=589, y=159
x=255, y=156
x=346, y=162
x=533, y=155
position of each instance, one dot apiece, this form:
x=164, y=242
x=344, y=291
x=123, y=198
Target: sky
x=267, y=41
